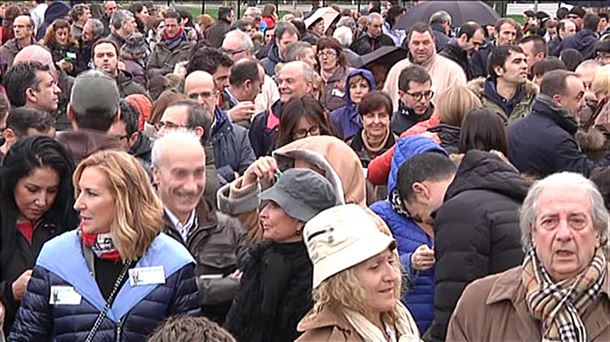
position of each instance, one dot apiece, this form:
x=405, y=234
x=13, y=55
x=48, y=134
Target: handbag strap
x=115, y=289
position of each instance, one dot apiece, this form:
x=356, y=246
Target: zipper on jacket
x=119, y=329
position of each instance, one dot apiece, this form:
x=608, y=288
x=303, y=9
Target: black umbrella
x=385, y=55
x=460, y=12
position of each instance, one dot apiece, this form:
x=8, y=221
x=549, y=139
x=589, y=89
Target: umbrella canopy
x=328, y=14
x=385, y=56
x=460, y=11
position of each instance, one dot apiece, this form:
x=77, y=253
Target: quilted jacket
x=136, y=312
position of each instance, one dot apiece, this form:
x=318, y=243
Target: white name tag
x=147, y=276
x=64, y=295
x=337, y=92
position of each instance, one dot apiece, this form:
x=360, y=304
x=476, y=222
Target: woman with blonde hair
x=60, y=41
x=601, y=88
x=115, y=277
x=443, y=127
x=356, y=280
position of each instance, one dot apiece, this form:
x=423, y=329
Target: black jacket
x=367, y=44
x=232, y=150
x=449, y=136
x=584, y=41
x=441, y=39
x=543, y=142
x=264, y=129
x=476, y=230
x=24, y=258
x=217, y=32
x=218, y=245
x=455, y=53
x=478, y=62
x=274, y=294
x=405, y=118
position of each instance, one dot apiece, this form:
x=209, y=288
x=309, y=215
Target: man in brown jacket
x=561, y=292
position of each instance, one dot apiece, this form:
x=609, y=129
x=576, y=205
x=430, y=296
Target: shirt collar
x=183, y=229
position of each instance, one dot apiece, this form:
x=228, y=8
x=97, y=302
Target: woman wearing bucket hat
x=275, y=290
x=356, y=280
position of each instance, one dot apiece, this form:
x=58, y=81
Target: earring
x=299, y=231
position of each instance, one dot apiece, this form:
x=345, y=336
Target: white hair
x=253, y=11
x=181, y=137
x=344, y=35
x=241, y=36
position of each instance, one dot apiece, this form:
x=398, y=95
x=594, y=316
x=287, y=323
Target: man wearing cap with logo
x=93, y=107
x=275, y=291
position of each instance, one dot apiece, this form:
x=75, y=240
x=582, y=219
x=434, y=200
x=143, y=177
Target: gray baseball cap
x=301, y=193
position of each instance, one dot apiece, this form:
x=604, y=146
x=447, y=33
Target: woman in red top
x=36, y=198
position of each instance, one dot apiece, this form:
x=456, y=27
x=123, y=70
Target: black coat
x=476, y=230
x=274, y=294
x=263, y=130
x=217, y=32
x=367, y=44
x=543, y=143
x=455, y=53
x=478, y=62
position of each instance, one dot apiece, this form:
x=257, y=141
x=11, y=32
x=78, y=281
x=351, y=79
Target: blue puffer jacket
x=136, y=311
x=419, y=299
x=232, y=149
x=346, y=120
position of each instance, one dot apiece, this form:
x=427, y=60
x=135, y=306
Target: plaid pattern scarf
x=560, y=305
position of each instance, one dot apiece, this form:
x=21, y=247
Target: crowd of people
x=256, y=178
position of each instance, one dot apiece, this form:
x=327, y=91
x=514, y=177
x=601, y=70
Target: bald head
x=586, y=71
x=199, y=86
x=35, y=53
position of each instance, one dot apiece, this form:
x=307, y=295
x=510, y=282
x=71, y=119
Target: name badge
x=147, y=276
x=337, y=92
x=64, y=295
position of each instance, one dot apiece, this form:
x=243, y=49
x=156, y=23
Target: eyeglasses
x=327, y=54
x=303, y=132
x=418, y=96
x=168, y=125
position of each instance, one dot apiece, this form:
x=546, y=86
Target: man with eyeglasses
x=232, y=151
x=543, y=142
x=174, y=47
x=415, y=92
x=23, y=27
x=460, y=49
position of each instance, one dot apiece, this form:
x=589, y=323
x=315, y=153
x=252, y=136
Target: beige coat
x=328, y=325
x=444, y=72
x=494, y=309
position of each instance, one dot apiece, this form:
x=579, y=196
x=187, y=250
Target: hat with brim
x=301, y=193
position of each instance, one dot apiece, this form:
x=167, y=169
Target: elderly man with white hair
x=238, y=45
x=213, y=239
x=345, y=36
x=562, y=290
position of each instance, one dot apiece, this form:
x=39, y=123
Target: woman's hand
x=264, y=168
x=423, y=258
x=21, y=284
x=65, y=65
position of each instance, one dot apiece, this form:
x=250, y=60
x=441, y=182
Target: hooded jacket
x=584, y=41
x=232, y=150
x=346, y=120
x=340, y=163
x=269, y=62
x=543, y=142
x=476, y=230
x=419, y=298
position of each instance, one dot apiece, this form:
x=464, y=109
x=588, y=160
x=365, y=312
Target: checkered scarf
x=560, y=305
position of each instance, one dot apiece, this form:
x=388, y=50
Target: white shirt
x=183, y=229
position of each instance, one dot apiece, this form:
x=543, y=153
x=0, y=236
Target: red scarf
x=101, y=245
x=179, y=33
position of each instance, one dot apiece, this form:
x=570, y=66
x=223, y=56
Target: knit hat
x=135, y=45
x=144, y=107
x=94, y=89
x=579, y=11
x=301, y=193
x=341, y=237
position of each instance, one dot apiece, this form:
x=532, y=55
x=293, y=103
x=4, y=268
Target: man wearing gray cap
x=93, y=107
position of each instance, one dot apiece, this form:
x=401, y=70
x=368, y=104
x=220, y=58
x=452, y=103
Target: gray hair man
x=441, y=25
x=561, y=291
x=301, y=51
x=180, y=176
x=122, y=24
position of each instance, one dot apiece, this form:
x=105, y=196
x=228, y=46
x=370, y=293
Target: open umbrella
x=328, y=14
x=605, y=3
x=460, y=11
x=385, y=55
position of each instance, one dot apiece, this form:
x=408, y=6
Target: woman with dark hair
x=482, y=130
x=36, y=198
x=375, y=137
x=334, y=68
x=571, y=58
x=302, y=117
x=64, y=48
x=140, y=11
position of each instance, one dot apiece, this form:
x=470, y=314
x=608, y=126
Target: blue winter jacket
x=232, y=149
x=346, y=120
x=136, y=310
x=419, y=299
